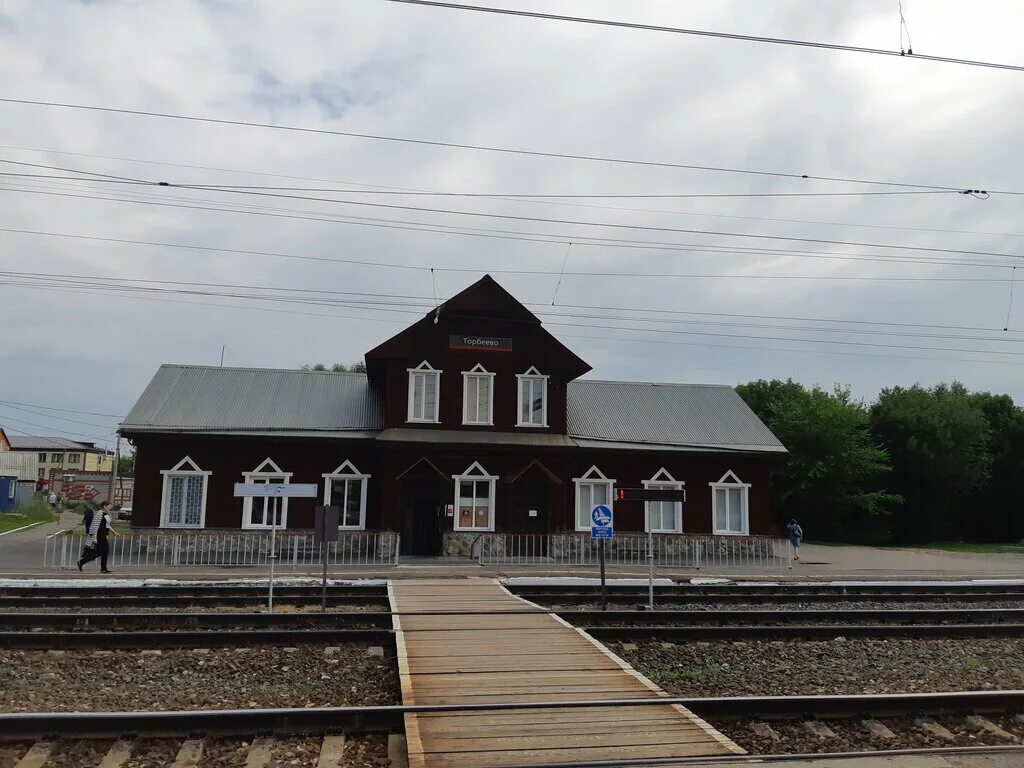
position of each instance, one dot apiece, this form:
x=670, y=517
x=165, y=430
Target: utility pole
x=113, y=470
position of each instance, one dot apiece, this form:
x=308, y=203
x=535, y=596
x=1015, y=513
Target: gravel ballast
x=306, y=676
x=779, y=668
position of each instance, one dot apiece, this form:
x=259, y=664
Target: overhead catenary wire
x=709, y=33
x=496, y=149
x=537, y=198
x=55, y=408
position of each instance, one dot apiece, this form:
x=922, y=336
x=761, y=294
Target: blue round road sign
x=601, y=516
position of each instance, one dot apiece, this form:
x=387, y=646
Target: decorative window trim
x=266, y=470
x=531, y=373
x=479, y=372
x=730, y=480
x=424, y=368
x=592, y=476
x=663, y=479
x=347, y=471
x=184, y=467
x=475, y=472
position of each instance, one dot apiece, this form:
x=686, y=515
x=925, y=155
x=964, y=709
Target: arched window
x=346, y=488
x=591, y=490
x=474, y=499
x=664, y=516
x=729, y=506
x=258, y=512
x=183, y=503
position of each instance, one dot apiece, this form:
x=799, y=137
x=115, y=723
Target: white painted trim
x=592, y=476
x=247, y=503
x=23, y=528
x=351, y=473
x=735, y=482
x=422, y=369
x=178, y=470
x=479, y=372
x=663, y=479
x=475, y=472
x=531, y=373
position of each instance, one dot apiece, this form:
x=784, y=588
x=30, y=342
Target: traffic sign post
x=275, y=491
x=645, y=495
x=325, y=530
x=602, y=527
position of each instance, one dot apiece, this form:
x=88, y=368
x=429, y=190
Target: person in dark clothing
x=97, y=526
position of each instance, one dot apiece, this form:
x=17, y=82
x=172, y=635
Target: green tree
x=357, y=367
x=834, y=475
x=999, y=506
x=126, y=465
x=938, y=440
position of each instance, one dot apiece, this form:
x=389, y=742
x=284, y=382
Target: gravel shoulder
x=779, y=668
x=306, y=676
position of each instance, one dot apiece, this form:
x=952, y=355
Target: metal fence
x=671, y=550
x=229, y=548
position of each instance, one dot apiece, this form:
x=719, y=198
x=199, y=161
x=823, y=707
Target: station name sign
x=485, y=343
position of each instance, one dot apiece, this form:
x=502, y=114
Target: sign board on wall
x=480, y=343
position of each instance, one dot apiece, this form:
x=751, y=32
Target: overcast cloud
x=373, y=67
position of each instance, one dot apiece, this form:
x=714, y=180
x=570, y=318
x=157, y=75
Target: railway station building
x=475, y=419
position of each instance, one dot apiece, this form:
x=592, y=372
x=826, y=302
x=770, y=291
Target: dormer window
x=477, y=396
x=424, y=393
x=532, y=399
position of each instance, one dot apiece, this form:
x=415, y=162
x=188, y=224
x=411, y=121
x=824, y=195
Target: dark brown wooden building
x=473, y=419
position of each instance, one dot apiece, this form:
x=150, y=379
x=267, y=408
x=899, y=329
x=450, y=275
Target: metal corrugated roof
x=697, y=415
x=254, y=399
x=35, y=443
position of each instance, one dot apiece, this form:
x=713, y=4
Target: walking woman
x=796, y=533
x=96, y=545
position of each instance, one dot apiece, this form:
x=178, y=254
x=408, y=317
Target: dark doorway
x=530, y=512
x=426, y=527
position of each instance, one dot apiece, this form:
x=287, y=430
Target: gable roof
x=634, y=414
x=601, y=414
x=185, y=398
x=36, y=443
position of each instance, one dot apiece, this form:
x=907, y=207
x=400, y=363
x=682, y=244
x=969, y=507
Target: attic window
x=532, y=399
x=424, y=393
x=477, y=396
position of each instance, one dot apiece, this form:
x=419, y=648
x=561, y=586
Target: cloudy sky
x=75, y=338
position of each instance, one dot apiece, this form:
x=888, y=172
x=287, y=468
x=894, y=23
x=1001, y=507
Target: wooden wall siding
x=389, y=499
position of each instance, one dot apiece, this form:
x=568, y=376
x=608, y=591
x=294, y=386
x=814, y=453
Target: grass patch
x=37, y=511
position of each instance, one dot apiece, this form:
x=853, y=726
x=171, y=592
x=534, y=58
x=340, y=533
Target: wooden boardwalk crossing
x=490, y=657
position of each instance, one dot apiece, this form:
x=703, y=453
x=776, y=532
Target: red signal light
x=620, y=494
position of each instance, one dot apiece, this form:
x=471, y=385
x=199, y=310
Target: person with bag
x=97, y=526
x=796, y=534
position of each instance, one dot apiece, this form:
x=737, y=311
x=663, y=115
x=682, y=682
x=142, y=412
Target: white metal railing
x=670, y=550
x=229, y=548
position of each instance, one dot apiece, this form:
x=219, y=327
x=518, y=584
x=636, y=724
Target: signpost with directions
x=274, y=491
x=602, y=526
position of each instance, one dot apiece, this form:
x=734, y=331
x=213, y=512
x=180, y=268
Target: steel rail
x=175, y=601
x=675, y=598
x=801, y=631
x=592, y=618
x=209, y=638
x=753, y=588
x=245, y=590
x=22, y=726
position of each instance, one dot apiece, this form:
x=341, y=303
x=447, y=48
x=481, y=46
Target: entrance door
x=530, y=516
x=426, y=527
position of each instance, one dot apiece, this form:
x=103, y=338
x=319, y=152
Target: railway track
x=993, y=719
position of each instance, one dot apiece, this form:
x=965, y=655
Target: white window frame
x=267, y=471
x=479, y=373
x=348, y=472
x=531, y=374
x=56, y=458
x=475, y=472
x=179, y=469
x=424, y=369
x=74, y=458
x=663, y=480
x=592, y=476
x=12, y=488
x=730, y=480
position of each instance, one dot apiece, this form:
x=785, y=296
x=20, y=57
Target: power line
x=42, y=426
x=537, y=198
x=707, y=33
x=487, y=148
x=62, y=410
x=574, y=222
x=58, y=418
